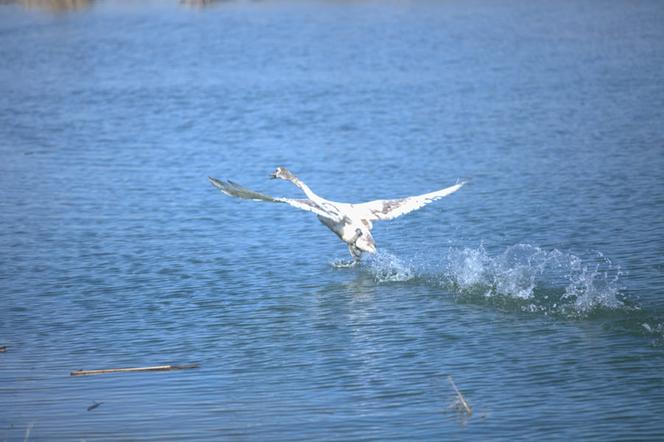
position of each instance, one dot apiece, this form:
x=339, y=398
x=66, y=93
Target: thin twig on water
x=132, y=369
x=94, y=405
x=461, y=401
x=27, y=431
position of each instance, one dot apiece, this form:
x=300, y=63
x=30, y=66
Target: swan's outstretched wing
x=382, y=210
x=234, y=189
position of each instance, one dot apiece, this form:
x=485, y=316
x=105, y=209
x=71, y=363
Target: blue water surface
x=538, y=287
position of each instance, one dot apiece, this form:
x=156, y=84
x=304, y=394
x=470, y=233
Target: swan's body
x=351, y=222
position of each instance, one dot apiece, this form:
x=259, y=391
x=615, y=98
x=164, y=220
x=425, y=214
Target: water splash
x=523, y=277
x=512, y=273
x=386, y=267
x=654, y=329
x=542, y=280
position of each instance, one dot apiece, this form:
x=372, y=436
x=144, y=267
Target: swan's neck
x=307, y=191
x=324, y=204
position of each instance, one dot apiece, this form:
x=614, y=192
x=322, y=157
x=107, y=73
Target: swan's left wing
x=382, y=210
x=234, y=189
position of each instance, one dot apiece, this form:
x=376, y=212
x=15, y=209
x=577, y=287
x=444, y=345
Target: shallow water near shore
x=539, y=286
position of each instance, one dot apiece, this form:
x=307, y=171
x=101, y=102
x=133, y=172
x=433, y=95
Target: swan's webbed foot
x=346, y=264
x=355, y=252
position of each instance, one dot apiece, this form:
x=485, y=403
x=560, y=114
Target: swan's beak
x=273, y=176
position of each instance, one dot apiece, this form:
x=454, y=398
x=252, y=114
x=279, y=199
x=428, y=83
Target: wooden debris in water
x=461, y=402
x=27, y=431
x=132, y=369
x=94, y=405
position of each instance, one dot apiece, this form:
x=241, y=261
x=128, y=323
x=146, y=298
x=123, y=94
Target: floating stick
x=95, y=405
x=124, y=370
x=460, y=399
x=27, y=431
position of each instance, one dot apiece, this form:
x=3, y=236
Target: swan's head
x=282, y=173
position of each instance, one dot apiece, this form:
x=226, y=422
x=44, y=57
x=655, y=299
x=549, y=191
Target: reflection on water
x=201, y=3
x=55, y=5
x=64, y=5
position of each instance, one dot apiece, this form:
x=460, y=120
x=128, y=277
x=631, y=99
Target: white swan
x=351, y=222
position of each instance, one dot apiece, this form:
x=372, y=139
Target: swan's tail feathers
x=233, y=189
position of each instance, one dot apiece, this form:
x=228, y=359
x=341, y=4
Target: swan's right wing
x=233, y=189
x=382, y=210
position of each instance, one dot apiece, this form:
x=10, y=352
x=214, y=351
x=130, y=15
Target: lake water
x=539, y=286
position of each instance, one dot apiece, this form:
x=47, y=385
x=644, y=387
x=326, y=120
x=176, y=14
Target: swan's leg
x=357, y=235
x=355, y=252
